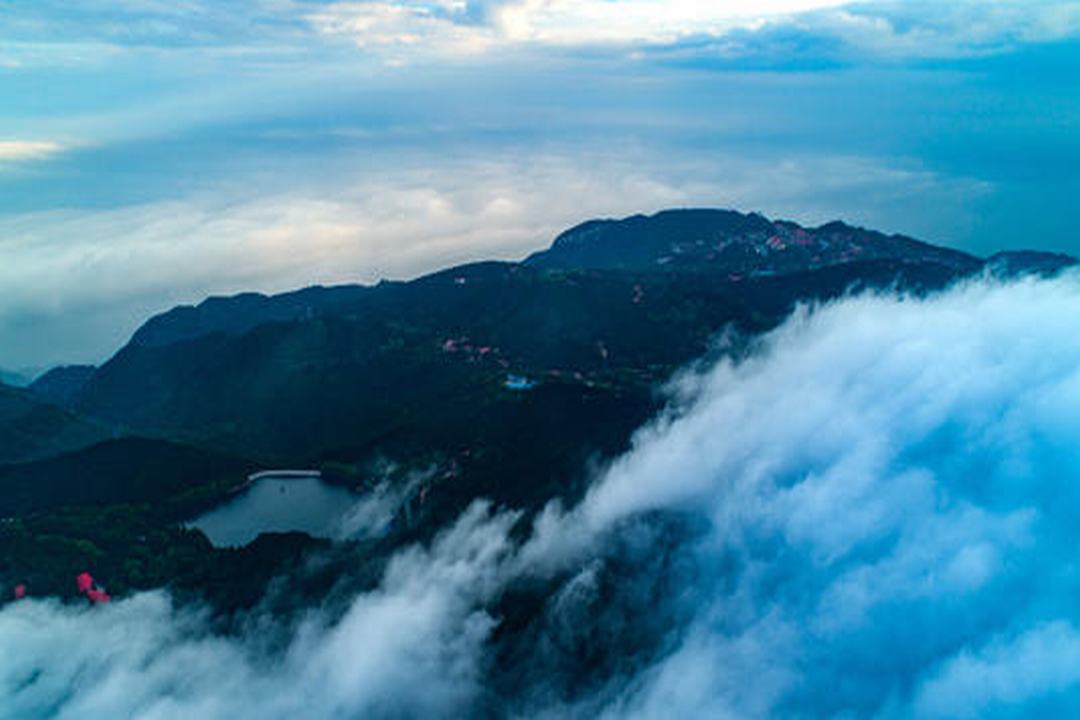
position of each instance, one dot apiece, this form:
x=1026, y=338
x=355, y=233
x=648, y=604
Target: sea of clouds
x=871, y=513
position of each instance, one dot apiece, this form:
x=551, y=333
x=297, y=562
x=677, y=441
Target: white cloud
x=406, y=31
x=22, y=150
x=874, y=28
x=400, y=217
x=459, y=26
x=413, y=26
x=1041, y=662
x=892, y=479
x=651, y=21
x=923, y=29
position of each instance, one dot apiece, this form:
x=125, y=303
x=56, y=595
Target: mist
x=869, y=512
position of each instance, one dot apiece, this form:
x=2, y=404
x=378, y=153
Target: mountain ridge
x=749, y=233
x=727, y=241
x=609, y=318
x=612, y=303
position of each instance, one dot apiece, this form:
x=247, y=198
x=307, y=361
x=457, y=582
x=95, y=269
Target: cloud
x=423, y=31
x=397, y=218
x=472, y=26
x=398, y=224
x=408, y=649
x=23, y=150
x=650, y=21
x=874, y=29
x=1043, y=661
x=372, y=515
x=870, y=514
x=419, y=27
x=923, y=29
x=883, y=473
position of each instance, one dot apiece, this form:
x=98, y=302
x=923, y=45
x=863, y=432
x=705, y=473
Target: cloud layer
x=869, y=515
x=869, y=29
x=475, y=26
x=20, y=150
x=86, y=279
x=415, y=29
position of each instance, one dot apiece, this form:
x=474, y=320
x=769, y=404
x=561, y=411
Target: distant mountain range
x=509, y=377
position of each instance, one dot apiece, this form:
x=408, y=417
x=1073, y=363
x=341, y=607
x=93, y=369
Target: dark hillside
x=32, y=429
x=129, y=470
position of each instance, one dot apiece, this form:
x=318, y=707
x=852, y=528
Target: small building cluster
x=473, y=353
x=91, y=590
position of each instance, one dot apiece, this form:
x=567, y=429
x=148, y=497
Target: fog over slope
x=871, y=514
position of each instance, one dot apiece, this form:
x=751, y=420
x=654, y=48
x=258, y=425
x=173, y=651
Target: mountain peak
x=730, y=243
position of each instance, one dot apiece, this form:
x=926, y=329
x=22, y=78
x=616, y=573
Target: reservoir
x=278, y=504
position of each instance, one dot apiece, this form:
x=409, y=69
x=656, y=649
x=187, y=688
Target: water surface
x=278, y=505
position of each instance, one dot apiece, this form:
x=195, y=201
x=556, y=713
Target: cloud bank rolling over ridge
x=870, y=514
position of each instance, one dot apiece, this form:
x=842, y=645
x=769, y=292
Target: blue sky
x=155, y=152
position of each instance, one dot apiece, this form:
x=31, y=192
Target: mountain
x=241, y=313
x=728, y=242
x=430, y=358
x=425, y=367
x=31, y=428
x=412, y=369
x=60, y=384
x=587, y=327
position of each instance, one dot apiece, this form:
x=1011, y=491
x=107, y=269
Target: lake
x=278, y=505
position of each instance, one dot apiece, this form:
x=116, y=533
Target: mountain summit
x=725, y=241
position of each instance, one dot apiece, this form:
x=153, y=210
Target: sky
x=154, y=153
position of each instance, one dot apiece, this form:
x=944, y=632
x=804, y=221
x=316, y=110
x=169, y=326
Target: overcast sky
x=153, y=152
